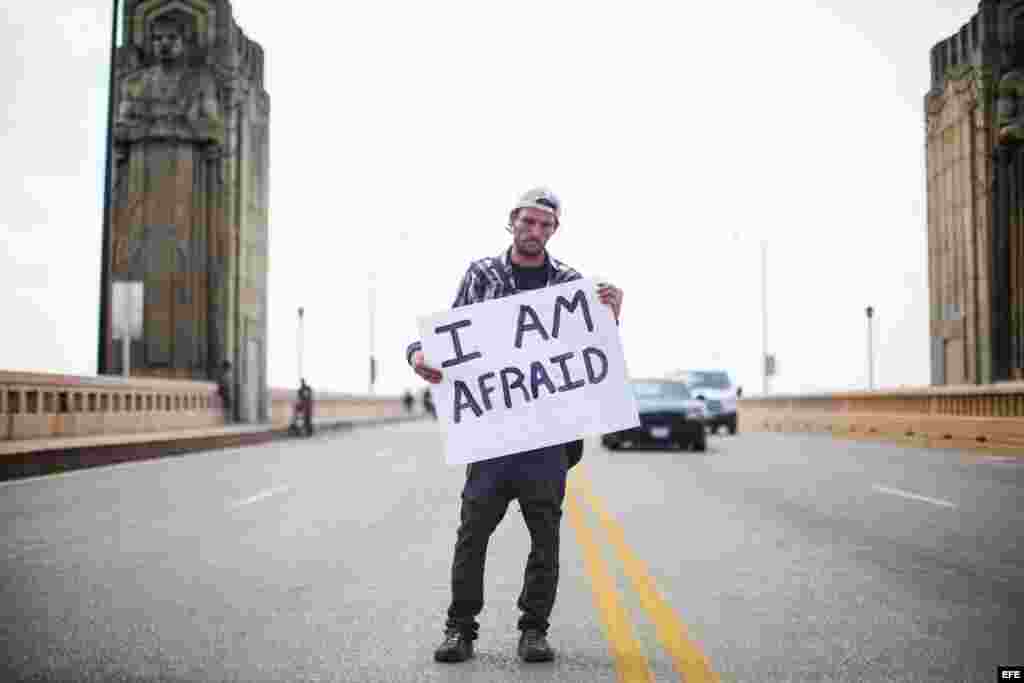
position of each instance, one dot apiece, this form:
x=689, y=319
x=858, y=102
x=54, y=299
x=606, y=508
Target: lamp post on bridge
x=870, y=311
x=371, y=288
x=372, y=291
x=106, y=298
x=765, y=369
x=300, y=339
x=767, y=362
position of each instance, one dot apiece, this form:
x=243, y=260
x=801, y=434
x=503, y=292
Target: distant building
x=974, y=115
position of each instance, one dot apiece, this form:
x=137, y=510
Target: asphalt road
x=769, y=558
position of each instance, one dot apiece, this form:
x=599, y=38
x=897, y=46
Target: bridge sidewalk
x=33, y=457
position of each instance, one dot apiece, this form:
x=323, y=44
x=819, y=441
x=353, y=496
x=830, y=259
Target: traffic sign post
x=128, y=301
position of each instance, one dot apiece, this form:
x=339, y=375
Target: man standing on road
x=536, y=478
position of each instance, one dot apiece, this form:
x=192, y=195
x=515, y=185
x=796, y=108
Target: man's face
x=531, y=230
x=168, y=45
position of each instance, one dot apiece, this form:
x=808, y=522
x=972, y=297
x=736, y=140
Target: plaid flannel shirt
x=493, y=278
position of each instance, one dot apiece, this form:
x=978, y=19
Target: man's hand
x=610, y=295
x=428, y=373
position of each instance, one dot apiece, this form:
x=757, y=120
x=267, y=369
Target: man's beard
x=530, y=247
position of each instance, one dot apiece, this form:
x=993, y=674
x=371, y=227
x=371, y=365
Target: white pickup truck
x=719, y=395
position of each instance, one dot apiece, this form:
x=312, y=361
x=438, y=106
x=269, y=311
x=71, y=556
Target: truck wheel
x=700, y=444
x=732, y=426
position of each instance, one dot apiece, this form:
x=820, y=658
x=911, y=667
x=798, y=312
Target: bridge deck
x=770, y=558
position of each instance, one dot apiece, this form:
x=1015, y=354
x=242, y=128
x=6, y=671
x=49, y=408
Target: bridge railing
x=37, y=405
x=967, y=416
x=51, y=406
x=334, y=406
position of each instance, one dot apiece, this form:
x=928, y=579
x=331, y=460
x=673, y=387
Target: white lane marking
x=407, y=467
x=262, y=495
x=913, y=496
x=386, y=453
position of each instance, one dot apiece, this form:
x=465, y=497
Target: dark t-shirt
x=535, y=278
x=546, y=462
x=530, y=277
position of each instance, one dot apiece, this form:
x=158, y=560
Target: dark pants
x=307, y=411
x=537, y=480
x=229, y=416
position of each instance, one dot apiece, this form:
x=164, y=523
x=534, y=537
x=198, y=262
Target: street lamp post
x=871, y=356
x=764, y=317
x=102, y=361
x=766, y=371
x=300, y=339
x=372, y=291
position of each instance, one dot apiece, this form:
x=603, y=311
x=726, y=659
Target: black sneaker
x=533, y=647
x=455, y=648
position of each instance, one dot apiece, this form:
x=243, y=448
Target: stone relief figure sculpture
x=1009, y=92
x=168, y=133
x=1008, y=231
x=189, y=194
x=169, y=100
x=1010, y=107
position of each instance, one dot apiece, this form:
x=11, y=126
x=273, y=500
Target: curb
x=56, y=460
x=340, y=425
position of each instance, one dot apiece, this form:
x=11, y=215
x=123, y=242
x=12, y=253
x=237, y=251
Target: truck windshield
x=711, y=380
x=675, y=390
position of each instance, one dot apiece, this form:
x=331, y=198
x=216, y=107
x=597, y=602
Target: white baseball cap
x=540, y=198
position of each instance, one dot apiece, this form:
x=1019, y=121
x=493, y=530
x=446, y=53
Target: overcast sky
x=679, y=136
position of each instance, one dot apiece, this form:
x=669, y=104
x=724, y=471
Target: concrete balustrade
x=971, y=416
x=334, y=407
x=37, y=406
x=42, y=406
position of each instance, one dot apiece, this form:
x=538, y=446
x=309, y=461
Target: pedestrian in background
x=536, y=478
x=428, y=404
x=306, y=401
x=224, y=386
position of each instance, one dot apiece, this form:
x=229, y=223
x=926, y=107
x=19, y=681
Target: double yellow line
x=630, y=663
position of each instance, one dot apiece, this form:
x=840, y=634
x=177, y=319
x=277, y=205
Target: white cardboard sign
x=536, y=369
